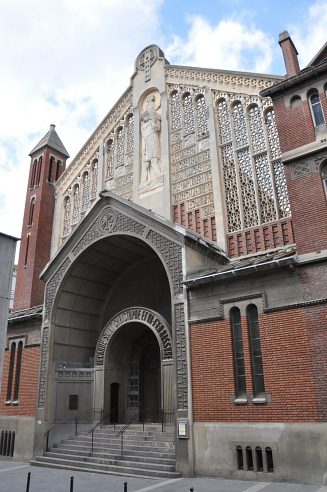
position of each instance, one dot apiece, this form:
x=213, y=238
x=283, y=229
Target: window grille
x=120, y=147
x=201, y=117
x=7, y=443
x=175, y=111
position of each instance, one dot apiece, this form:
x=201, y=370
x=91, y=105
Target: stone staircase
x=148, y=453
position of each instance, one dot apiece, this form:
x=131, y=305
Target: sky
x=67, y=62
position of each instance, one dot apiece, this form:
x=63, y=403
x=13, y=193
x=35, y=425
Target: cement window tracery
x=265, y=189
x=250, y=213
x=224, y=129
x=201, y=117
x=67, y=208
x=110, y=159
x=231, y=191
x=254, y=182
x=256, y=130
x=188, y=114
x=76, y=204
x=239, y=123
x=94, y=184
x=272, y=134
x=120, y=147
x=175, y=111
x=130, y=133
x=281, y=190
x=86, y=191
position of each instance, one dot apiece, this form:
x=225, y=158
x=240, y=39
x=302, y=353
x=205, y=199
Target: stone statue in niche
x=150, y=128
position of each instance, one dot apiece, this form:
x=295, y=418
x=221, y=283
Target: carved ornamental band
x=146, y=316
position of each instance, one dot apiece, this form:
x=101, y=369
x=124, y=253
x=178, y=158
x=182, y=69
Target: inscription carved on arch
x=142, y=315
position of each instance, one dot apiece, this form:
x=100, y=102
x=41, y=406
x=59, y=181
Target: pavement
x=13, y=478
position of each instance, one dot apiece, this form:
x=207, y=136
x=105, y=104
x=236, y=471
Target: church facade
x=175, y=271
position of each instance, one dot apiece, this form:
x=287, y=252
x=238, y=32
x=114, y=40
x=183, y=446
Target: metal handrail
x=47, y=433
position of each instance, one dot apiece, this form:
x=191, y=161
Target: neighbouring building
x=183, y=262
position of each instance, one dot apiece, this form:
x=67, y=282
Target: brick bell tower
x=48, y=161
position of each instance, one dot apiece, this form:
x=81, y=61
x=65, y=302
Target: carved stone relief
x=44, y=367
x=146, y=316
x=151, y=173
x=181, y=363
x=304, y=168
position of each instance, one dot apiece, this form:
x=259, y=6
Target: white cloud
x=63, y=62
x=310, y=35
x=228, y=45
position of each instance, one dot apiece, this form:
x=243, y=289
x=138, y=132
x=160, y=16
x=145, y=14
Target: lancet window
x=120, y=147
x=67, y=208
x=201, y=117
x=254, y=180
x=110, y=158
x=130, y=133
x=175, y=111
x=86, y=191
x=188, y=114
x=94, y=184
x=76, y=204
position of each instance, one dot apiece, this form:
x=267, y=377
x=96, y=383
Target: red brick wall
x=295, y=126
x=29, y=378
x=309, y=211
x=260, y=238
x=294, y=352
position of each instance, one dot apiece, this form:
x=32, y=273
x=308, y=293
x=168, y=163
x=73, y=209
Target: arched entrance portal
x=132, y=375
x=134, y=367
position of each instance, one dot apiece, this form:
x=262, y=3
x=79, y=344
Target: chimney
x=290, y=54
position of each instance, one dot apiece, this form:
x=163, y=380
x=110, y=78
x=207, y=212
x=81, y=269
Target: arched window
x=239, y=457
x=259, y=458
x=254, y=335
x=67, y=206
x=58, y=170
x=239, y=124
x=120, y=147
x=175, y=111
x=239, y=366
x=249, y=458
x=51, y=169
x=324, y=176
x=269, y=460
x=201, y=116
x=224, y=126
x=31, y=212
x=316, y=109
x=295, y=102
x=18, y=371
x=188, y=114
x=76, y=204
x=38, y=173
x=11, y=371
x=86, y=191
x=26, y=249
x=110, y=148
x=130, y=133
x=94, y=184
x=33, y=174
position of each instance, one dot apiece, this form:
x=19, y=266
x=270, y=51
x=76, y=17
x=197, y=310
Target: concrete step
x=162, y=459
x=105, y=450
x=117, y=443
x=98, y=467
x=117, y=461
